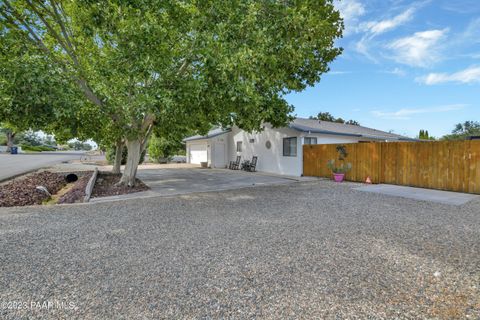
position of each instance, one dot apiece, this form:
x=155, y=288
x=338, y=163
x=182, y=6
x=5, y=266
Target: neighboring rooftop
x=324, y=127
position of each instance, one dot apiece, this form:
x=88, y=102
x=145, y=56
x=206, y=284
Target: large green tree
x=464, y=130
x=34, y=94
x=167, y=63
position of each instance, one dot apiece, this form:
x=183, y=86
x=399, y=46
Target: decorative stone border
x=90, y=185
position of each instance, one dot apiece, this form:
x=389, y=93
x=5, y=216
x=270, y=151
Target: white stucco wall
x=272, y=160
x=212, y=145
x=269, y=160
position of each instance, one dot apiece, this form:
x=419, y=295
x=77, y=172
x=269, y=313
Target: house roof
x=323, y=127
x=334, y=128
x=212, y=133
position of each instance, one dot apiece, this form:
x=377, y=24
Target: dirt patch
x=77, y=192
x=24, y=192
x=106, y=186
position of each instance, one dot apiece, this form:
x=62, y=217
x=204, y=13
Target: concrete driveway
x=185, y=179
x=13, y=165
x=440, y=196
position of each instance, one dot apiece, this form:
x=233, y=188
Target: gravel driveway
x=302, y=250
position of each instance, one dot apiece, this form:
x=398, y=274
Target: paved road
x=309, y=250
x=12, y=165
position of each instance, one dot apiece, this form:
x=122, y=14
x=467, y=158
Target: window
x=239, y=146
x=310, y=140
x=251, y=140
x=290, y=147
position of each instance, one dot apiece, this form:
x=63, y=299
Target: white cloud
x=351, y=11
x=469, y=75
x=422, y=49
x=363, y=46
x=398, y=72
x=406, y=114
x=373, y=29
x=382, y=26
x=472, y=31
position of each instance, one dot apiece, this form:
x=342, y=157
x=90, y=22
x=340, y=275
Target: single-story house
x=279, y=150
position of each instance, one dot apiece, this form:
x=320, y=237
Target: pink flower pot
x=338, y=177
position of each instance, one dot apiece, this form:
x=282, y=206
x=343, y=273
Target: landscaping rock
x=23, y=191
x=43, y=189
x=107, y=186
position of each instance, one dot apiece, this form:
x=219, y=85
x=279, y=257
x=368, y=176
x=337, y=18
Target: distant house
x=279, y=150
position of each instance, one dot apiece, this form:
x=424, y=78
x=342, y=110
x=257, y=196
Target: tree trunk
x=117, y=162
x=10, y=136
x=130, y=171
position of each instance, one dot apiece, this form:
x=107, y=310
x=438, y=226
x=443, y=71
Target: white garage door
x=198, y=153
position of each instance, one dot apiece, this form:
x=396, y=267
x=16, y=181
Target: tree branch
x=62, y=25
x=143, y=146
x=82, y=83
x=68, y=49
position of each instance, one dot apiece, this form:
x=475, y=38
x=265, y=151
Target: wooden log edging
x=90, y=185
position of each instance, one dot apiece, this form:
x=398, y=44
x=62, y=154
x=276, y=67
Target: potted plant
x=339, y=172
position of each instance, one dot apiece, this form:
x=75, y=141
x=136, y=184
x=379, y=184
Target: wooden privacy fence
x=443, y=165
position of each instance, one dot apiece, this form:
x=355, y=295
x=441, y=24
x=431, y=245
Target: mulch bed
x=23, y=191
x=106, y=186
x=77, y=193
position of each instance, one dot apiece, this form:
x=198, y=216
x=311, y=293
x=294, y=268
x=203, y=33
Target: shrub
x=27, y=147
x=162, y=149
x=342, y=168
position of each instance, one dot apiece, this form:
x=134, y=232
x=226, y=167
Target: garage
x=197, y=153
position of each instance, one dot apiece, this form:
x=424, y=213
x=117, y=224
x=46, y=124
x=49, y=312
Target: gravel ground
x=303, y=250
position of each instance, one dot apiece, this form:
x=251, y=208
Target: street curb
x=19, y=175
x=90, y=185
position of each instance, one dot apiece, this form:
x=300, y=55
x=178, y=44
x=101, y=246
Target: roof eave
x=313, y=130
x=194, y=138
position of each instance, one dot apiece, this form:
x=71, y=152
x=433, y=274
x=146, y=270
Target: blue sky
x=406, y=66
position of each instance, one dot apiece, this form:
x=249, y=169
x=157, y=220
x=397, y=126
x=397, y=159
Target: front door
x=219, y=157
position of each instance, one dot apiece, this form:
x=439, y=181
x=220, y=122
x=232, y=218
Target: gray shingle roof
x=323, y=127
x=334, y=128
x=212, y=133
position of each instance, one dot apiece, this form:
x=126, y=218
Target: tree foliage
x=169, y=64
x=464, y=130
x=327, y=116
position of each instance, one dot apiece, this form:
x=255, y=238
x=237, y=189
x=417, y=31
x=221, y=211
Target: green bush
x=26, y=147
x=158, y=150
x=110, y=155
x=161, y=149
